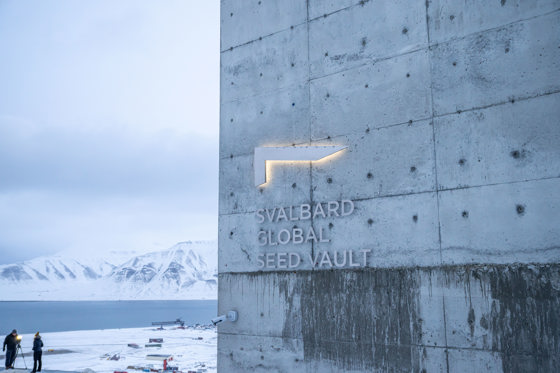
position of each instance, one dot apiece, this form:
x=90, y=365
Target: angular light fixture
x=289, y=154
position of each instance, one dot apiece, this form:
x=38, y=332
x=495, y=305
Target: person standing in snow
x=37, y=353
x=11, y=342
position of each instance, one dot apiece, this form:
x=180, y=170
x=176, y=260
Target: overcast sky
x=108, y=125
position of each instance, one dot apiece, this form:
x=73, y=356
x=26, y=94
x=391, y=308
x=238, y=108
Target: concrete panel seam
x=360, y=3
x=354, y=341
x=512, y=100
x=260, y=38
x=430, y=45
x=442, y=267
x=418, y=193
x=264, y=93
x=309, y=116
x=260, y=336
x=354, y=200
x=510, y=252
x=480, y=32
x=371, y=61
x=432, y=108
x=496, y=184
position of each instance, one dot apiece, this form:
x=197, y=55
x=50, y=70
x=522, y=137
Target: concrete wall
x=451, y=114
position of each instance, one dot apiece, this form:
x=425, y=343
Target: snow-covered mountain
x=187, y=270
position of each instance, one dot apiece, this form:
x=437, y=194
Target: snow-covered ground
x=192, y=349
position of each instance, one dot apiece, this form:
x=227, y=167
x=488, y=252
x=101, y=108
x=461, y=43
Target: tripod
x=19, y=351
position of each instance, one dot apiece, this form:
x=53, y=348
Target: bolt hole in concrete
x=370, y=221
x=415, y=218
x=465, y=214
x=404, y=31
x=451, y=17
x=412, y=169
x=408, y=75
x=454, y=63
x=520, y=209
x=294, y=185
x=516, y=154
x=369, y=175
x=331, y=225
x=462, y=161
x=293, y=104
x=329, y=180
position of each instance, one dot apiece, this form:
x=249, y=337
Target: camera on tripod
x=19, y=351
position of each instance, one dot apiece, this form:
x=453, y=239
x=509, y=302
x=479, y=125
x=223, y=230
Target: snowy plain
x=192, y=348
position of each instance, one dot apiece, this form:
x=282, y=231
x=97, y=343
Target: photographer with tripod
x=11, y=342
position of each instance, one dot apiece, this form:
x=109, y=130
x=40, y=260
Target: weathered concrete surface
x=355, y=100
x=452, y=19
x=254, y=19
x=283, y=115
x=513, y=62
x=264, y=65
x=350, y=38
x=450, y=111
x=371, y=168
x=402, y=320
x=506, y=223
x=502, y=144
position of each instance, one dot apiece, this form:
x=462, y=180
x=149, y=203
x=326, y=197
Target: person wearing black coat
x=11, y=342
x=37, y=353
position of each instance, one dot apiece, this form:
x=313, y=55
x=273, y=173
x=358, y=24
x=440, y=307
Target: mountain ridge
x=187, y=270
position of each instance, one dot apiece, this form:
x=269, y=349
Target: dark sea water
x=28, y=317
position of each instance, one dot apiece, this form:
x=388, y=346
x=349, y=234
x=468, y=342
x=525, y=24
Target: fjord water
x=30, y=317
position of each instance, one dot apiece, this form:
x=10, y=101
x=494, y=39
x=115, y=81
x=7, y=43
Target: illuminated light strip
x=289, y=154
